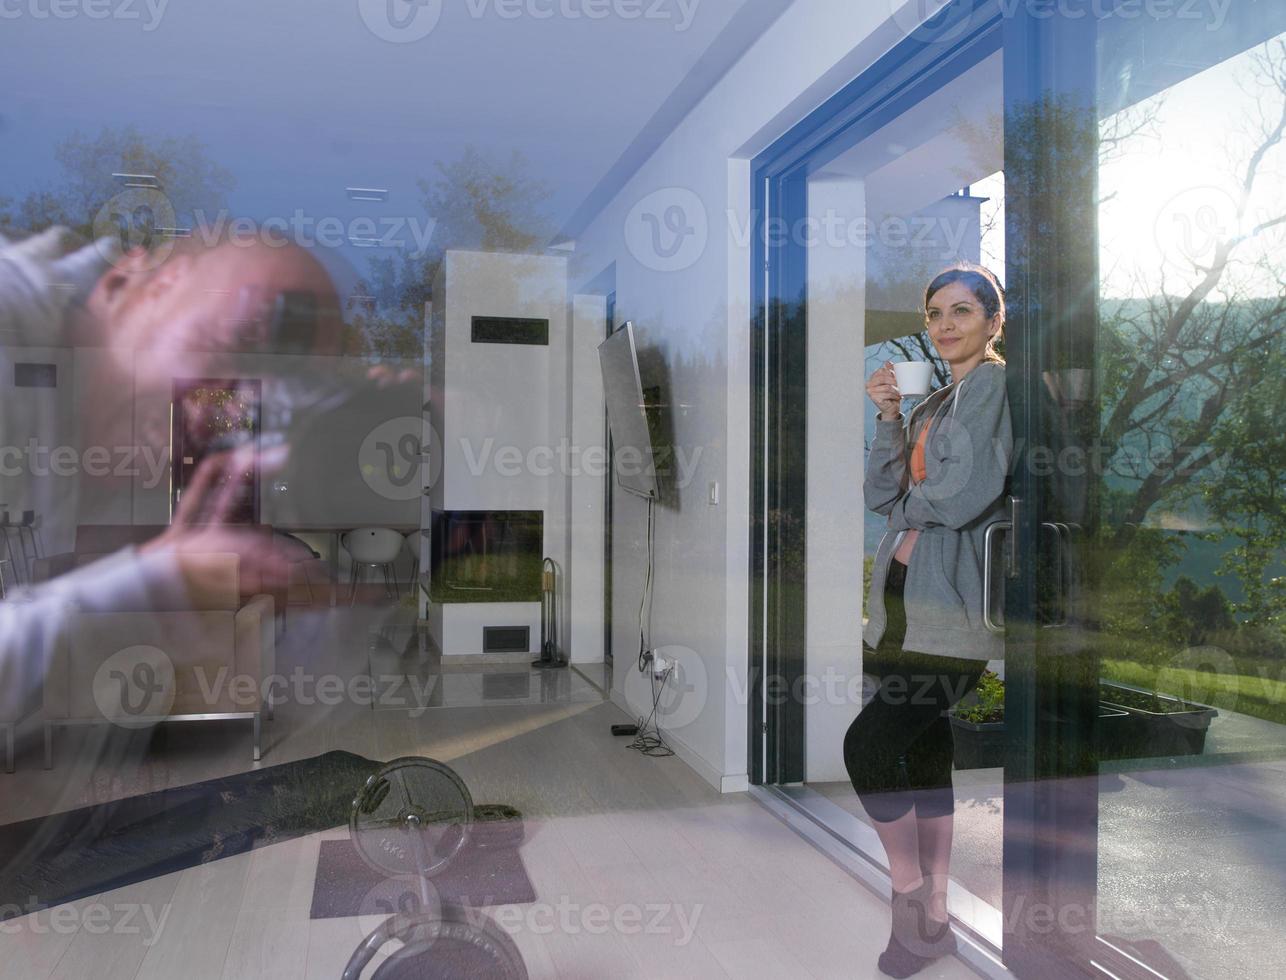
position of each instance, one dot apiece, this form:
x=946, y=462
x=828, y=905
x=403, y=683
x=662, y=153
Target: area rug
x=51, y=860
x=476, y=877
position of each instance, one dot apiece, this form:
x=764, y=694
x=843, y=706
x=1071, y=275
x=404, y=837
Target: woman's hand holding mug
x=883, y=390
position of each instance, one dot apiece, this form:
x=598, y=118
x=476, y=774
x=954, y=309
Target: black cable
x=644, y=653
x=653, y=743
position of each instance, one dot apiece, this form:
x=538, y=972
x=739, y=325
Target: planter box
x=978, y=745
x=1178, y=729
x=982, y=746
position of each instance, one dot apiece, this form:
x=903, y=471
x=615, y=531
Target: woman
x=940, y=480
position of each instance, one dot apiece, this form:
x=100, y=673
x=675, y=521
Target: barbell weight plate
x=381, y=824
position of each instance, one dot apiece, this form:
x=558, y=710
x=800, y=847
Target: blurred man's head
x=206, y=298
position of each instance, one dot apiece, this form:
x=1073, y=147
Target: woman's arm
x=980, y=442
x=886, y=475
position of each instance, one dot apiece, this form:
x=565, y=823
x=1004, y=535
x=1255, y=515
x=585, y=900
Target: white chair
x=413, y=539
x=300, y=555
x=376, y=547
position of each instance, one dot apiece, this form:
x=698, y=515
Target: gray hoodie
x=966, y=463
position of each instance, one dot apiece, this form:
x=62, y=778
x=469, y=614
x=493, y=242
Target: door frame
x=179, y=386
x=954, y=40
x=1050, y=792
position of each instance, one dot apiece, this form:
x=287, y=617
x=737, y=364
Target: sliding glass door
x=1121, y=172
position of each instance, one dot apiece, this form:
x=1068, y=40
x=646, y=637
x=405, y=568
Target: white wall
x=836, y=406
x=113, y=437
x=693, y=310
x=323, y=475
x=43, y=417
x=583, y=613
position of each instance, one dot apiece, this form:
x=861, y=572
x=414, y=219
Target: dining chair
x=373, y=547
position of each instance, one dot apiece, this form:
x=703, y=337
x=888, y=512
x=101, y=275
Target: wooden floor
x=725, y=888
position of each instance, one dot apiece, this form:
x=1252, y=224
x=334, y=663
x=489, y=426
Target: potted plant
x=1156, y=724
x=978, y=725
x=1132, y=724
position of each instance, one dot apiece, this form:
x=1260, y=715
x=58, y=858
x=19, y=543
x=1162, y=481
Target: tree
x=479, y=203
x=181, y=165
x=1248, y=502
x=1178, y=357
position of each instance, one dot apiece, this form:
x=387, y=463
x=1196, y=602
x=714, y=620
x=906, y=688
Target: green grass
x=1254, y=689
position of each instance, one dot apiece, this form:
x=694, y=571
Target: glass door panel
x=1188, y=602
x=902, y=179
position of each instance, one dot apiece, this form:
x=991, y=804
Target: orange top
x=918, y=472
x=918, y=475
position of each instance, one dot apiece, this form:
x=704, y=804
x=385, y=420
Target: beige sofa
x=206, y=660
x=95, y=541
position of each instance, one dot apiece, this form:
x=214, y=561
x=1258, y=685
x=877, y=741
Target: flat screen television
x=629, y=416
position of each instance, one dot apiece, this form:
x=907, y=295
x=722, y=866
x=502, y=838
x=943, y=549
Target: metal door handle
x=1063, y=578
x=987, y=564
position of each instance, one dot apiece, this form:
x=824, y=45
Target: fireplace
x=487, y=555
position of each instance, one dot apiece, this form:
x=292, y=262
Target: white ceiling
x=299, y=99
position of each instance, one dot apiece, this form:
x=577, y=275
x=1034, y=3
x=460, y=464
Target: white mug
x=913, y=377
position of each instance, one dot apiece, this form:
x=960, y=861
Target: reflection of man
x=200, y=301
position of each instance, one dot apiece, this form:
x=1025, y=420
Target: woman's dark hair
x=986, y=290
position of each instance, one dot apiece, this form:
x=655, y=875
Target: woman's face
x=959, y=327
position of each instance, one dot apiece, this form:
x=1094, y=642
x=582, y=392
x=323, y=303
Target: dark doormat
x=476, y=877
x=65, y=856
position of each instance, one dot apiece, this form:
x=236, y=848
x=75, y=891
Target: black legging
x=899, y=748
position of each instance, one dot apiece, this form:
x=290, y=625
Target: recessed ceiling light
x=149, y=181
x=367, y=193
x=365, y=242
